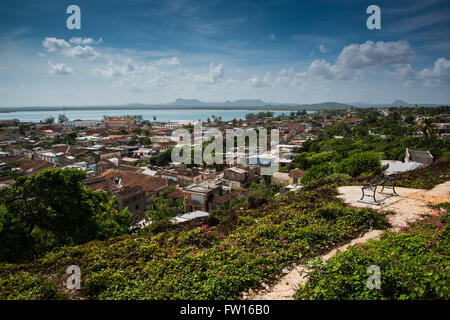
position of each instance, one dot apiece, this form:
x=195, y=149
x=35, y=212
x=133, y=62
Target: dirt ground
x=409, y=206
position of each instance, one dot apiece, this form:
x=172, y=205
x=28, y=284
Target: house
x=443, y=129
x=295, y=175
x=173, y=125
x=421, y=156
x=80, y=123
x=205, y=196
x=116, y=122
x=240, y=176
x=142, y=153
x=49, y=157
x=131, y=189
x=262, y=159
x=29, y=167
x=184, y=176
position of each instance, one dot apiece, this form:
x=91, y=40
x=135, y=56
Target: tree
x=137, y=118
x=42, y=212
x=49, y=120
x=62, y=118
x=426, y=126
x=159, y=210
x=136, y=131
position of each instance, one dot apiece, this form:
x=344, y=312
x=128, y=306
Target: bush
x=318, y=171
x=356, y=164
x=413, y=264
x=245, y=248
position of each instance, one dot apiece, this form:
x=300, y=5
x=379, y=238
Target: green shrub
x=359, y=163
x=414, y=264
x=245, y=248
x=318, y=171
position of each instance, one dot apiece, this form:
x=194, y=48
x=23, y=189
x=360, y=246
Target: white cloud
x=84, y=41
x=169, y=61
x=53, y=44
x=289, y=78
x=375, y=54
x=272, y=37
x=214, y=74
x=355, y=57
x=156, y=76
x=115, y=70
x=84, y=53
x=322, y=48
x=260, y=82
x=322, y=69
x=59, y=68
x=438, y=75
x=62, y=46
x=404, y=72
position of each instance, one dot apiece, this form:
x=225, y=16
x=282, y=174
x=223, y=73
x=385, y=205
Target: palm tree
x=426, y=126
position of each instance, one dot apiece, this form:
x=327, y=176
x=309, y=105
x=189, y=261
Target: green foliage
x=42, y=212
x=49, y=120
x=159, y=210
x=62, y=118
x=162, y=158
x=427, y=177
x=414, y=264
x=318, y=172
x=245, y=248
x=21, y=285
x=359, y=163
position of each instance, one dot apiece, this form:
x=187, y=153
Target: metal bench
x=389, y=183
x=371, y=189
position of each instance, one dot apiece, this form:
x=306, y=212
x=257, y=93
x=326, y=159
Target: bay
x=161, y=115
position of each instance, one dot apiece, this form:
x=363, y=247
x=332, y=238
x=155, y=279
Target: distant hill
x=242, y=104
x=236, y=103
x=399, y=103
x=396, y=103
x=257, y=103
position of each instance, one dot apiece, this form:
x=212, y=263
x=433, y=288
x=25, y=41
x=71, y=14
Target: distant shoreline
x=255, y=108
x=267, y=107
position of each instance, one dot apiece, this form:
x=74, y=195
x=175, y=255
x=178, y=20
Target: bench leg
x=393, y=189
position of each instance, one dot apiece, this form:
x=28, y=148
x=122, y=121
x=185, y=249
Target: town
x=130, y=158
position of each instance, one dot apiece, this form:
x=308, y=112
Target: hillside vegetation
x=243, y=248
x=414, y=264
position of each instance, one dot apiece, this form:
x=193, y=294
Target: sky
x=153, y=52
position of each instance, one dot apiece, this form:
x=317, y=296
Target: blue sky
x=284, y=51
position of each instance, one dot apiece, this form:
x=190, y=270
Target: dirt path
x=408, y=207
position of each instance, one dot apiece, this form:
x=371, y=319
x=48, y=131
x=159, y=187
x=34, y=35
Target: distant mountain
x=396, y=103
x=257, y=103
x=187, y=102
x=236, y=103
x=243, y=104
x=399, y=103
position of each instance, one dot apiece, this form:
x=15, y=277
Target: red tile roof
x=128, y=179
